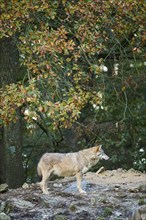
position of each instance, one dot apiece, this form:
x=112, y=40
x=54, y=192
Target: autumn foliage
x=63, y=47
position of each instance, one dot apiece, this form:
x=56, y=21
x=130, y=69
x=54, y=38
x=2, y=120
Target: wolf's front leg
x=43, y=184
x=79, y=183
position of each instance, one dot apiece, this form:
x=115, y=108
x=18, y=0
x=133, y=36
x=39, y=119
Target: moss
x=60, y=217
x=73, y=207
x=9, y=207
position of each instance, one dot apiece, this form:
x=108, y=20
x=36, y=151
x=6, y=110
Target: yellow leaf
x=123, y=88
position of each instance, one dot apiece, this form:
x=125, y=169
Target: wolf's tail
x=39, y=170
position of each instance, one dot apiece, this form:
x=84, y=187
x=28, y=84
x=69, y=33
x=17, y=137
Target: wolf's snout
x=105, y=157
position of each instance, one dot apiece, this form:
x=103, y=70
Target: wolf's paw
x=38, y=183
x=45, y=192
x=83, y=192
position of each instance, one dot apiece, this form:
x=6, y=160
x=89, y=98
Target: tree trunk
x=2, y=162
x=13, y=154
x=11, y=168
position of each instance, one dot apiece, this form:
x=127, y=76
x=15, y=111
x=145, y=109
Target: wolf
x=69, y=164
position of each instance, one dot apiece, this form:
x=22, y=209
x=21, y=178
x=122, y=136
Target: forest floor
x=111, y=195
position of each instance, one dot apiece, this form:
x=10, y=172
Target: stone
x=20, y=203
x=2, y=206
x=25, y=186
x=142, y=210
x=3, y=187
x=3, y=216
x=57, y=185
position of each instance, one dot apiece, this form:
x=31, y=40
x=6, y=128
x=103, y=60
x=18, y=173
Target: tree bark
x=11, y=168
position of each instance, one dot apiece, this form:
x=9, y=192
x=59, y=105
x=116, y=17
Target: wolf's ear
x=97, y=149
x=100, y=146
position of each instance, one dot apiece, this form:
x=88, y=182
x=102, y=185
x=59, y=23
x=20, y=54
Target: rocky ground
x=111, y=195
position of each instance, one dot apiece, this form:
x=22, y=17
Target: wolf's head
x=100, y=153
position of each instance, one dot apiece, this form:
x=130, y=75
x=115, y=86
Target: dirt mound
x=117, y=176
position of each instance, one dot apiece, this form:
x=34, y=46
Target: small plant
x=60, y=217
x=117, y=219
x=107, y=211
x=142, y=188
x=141, y=201
x=100, y=218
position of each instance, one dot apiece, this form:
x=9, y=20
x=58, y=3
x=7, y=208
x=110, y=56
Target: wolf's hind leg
x=43, y=184
x=79, y=183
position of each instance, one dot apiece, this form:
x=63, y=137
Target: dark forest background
x=72, y=75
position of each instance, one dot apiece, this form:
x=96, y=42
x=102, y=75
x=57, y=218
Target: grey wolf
x=69, y=164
